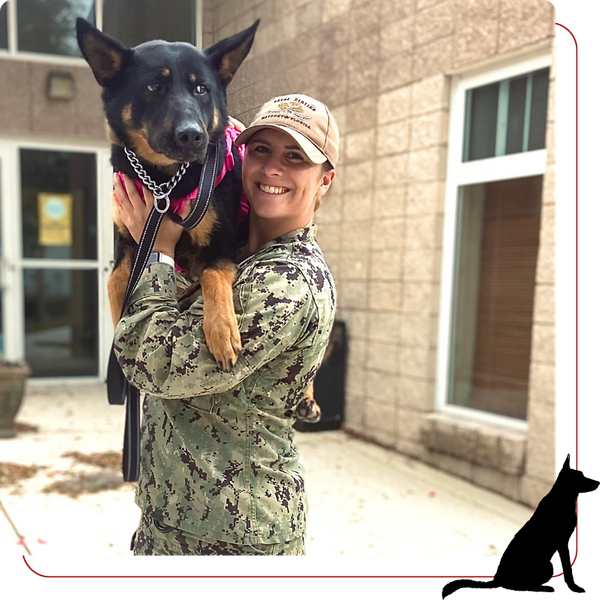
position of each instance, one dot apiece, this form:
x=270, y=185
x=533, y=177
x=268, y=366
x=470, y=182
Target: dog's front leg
x=565, y=560
x=220, y=323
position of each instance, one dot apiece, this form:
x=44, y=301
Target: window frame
x=459, y=173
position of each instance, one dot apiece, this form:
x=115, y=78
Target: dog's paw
x=575, y=588
x=223, y=340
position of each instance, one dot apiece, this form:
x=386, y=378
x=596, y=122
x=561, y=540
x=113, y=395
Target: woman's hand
x=134, y=212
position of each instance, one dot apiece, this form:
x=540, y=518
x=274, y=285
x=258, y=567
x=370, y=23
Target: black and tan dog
x=165, y=102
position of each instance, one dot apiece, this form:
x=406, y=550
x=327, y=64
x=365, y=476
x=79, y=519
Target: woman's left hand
x=134, y=212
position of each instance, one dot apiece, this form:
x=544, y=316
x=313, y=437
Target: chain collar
x=159, y=191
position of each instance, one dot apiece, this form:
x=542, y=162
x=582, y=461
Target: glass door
x=59, y=251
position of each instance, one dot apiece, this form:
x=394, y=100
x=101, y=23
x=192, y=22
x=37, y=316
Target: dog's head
x=164, y=100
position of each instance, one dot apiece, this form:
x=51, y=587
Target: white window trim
x=459, y=174
x=13, y=53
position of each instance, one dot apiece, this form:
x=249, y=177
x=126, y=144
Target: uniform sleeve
x=163, y=352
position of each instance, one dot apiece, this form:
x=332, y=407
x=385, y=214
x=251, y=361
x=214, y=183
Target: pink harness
x=228, y=164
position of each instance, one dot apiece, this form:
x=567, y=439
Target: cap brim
x=312, y=152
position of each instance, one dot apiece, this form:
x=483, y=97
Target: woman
x=219, y=470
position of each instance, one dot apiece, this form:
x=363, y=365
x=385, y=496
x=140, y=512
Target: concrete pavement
x=364, y=499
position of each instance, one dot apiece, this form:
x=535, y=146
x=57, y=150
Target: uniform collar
x=297, y=236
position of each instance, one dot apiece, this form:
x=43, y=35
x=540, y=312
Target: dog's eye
x=200, y=90
x=155, y=87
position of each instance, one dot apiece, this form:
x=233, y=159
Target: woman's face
x=279, y=180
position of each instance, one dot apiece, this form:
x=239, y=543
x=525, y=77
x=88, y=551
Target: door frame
x=13, y=263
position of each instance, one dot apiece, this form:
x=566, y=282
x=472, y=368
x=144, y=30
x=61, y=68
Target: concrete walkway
x=364, y=500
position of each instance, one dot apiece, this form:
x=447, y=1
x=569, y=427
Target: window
x=137, y=21
x=497, y=237
x=496, y=163
x=4, y=27
x=48, y=26
x=506, y=117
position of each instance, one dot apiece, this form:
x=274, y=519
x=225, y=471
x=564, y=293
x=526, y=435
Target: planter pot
x=12, y=388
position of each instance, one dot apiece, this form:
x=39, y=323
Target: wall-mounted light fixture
x=60, y=86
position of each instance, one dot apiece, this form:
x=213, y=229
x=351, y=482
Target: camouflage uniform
x=218, y=458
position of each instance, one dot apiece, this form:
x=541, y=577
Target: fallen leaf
x=431, y=494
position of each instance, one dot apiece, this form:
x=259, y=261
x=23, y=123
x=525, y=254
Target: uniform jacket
x=217, y=452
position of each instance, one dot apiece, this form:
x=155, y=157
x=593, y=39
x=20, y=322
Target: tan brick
x=417, y=297
x=397, y=37
x=415, y=330
x=421, y=232
x=416, y=362
x=396, y=71
x=356, y=382
x=542, y=348
x=382, y=388
x=419, y=265
x=389, y=202
x=409, y=423
x=476, y=40
x=356, y=323
x=355, y=236
x=393, y=138
x=427, y=165
x=540, y=458
x=353, y=294
x=544, y=305
x=430, y=129
x=357, y=353
x=512, y=453
x=361, y=115
x=387, y=234
x=541, y=382
x=384, y=326
x=533, y=490
x=391, y=171
x=524, y=22
x=432, y=58
x=436, y=22
x=357, y=207
x=386, y=265
x=430, y=94
x=451, y=464
x=394, y=105
x=415, y=393
x=333, y=9
x=310, y=16
x=382, y=358
x=360, y=177
x=384, y=295
x=360, y=145
x=424, y=198
x=393, y=10
x=354, y=265
x=329, y=236
x=507, y=485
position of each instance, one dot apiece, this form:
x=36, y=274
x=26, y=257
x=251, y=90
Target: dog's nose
x=189, y=134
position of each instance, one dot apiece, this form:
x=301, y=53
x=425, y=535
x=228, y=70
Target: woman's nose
x=272, y=166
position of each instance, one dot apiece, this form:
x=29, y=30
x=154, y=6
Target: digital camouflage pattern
x=154, y=539
x=218, y=458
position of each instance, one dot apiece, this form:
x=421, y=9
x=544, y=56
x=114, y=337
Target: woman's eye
x=295, y=156
x=200, y=90
x=155, y=87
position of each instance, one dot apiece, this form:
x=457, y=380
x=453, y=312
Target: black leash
x=119, y=390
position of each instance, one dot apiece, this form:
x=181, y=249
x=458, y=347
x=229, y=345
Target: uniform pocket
x=207, y=404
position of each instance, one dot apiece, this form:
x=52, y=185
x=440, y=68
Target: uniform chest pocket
x=207, y=404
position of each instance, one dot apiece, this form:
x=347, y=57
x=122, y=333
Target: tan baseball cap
x=307, y=120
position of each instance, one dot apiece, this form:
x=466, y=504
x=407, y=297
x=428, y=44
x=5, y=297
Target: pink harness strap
x=177, y=203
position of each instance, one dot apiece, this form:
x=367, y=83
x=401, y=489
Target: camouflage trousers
x=153, y=538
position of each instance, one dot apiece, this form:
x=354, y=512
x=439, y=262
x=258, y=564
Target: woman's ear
x=326, y=180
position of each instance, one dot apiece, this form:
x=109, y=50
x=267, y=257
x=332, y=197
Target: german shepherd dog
x=165, y=102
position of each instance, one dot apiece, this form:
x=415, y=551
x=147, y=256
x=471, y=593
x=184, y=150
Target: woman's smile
x=270, y=189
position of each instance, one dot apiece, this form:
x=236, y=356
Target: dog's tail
x=451, y=587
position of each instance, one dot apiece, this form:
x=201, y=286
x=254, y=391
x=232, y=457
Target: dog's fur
x=165, y=101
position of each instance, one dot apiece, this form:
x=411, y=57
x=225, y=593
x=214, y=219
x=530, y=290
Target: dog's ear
x=105, y=55
x=227, y=55
x=567, y=464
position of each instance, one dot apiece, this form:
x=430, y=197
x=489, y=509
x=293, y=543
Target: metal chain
x=159, y=191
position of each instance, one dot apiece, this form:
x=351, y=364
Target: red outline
x=576, y=44
x=38, y=574
x=35, y=572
